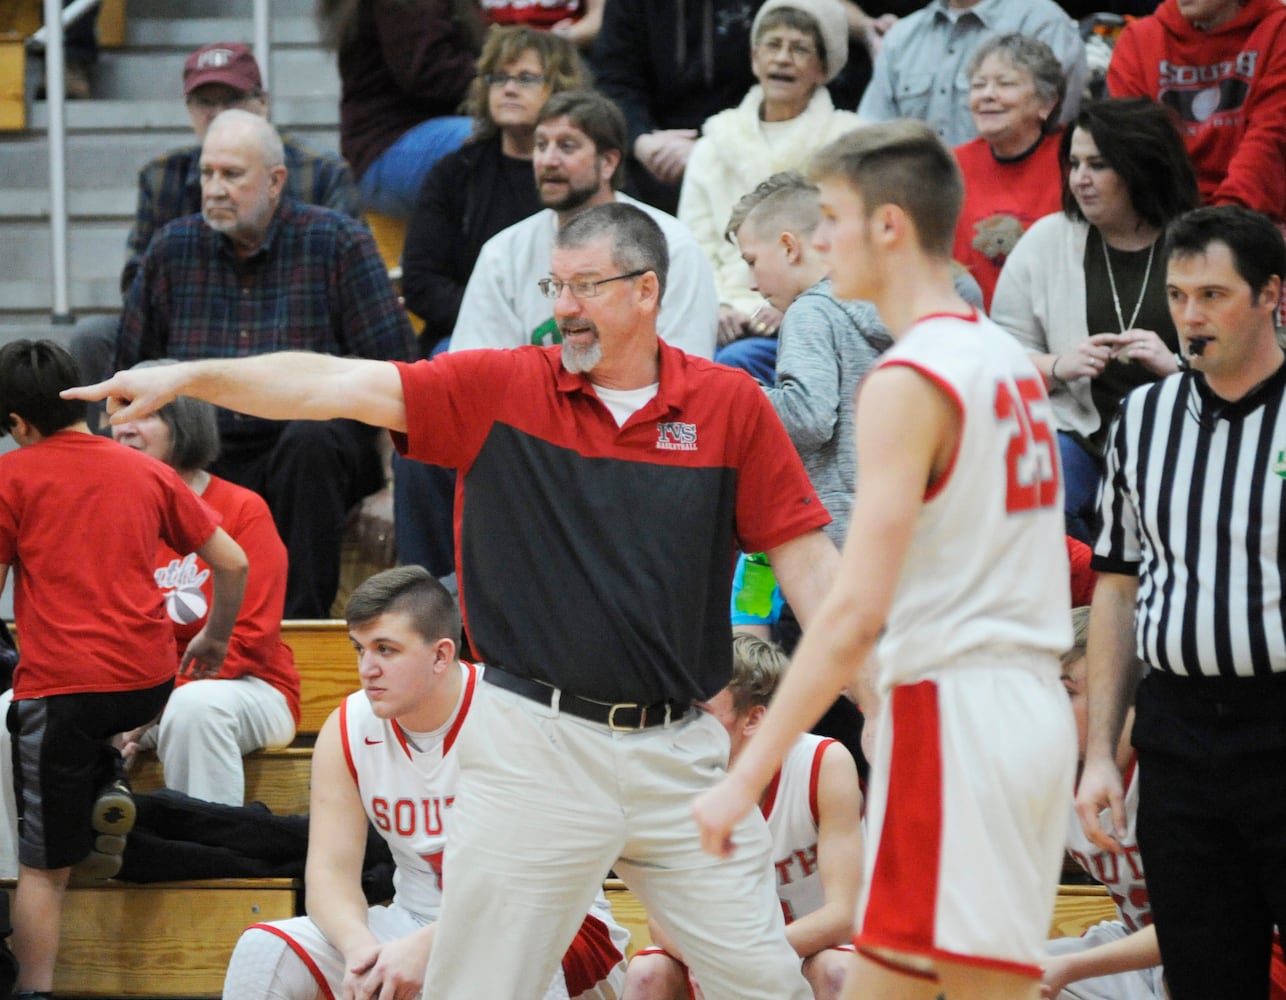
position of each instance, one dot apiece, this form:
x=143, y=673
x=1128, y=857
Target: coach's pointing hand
x=133, y=394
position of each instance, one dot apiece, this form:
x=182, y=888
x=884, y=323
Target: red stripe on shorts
x=901, y=908
x=302, y=953
x=590, y=958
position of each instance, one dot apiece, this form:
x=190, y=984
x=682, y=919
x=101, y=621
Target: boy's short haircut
x=412, y=590
x=32, y=373
x=902, y=163
x=786, y=200
x=757, y=666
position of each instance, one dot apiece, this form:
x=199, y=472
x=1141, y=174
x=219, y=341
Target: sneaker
x=95, y=867
x=112, y=818
x=114, y=810
x=77, y=83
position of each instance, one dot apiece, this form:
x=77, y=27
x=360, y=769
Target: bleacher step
x=165, y=939
x=280, y=779
x=228, y=9
x=145, y=75
x=82, y=203
x=193, y=32
x=314, y=111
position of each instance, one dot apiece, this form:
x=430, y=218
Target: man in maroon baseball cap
x=219, y=76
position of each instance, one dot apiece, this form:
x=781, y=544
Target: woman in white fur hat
x=797, y=46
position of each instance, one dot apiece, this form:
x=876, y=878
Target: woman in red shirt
x=253, y=702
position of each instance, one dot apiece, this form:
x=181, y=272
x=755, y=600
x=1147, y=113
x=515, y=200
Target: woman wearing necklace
x=1010, y=170
x=1084, y=289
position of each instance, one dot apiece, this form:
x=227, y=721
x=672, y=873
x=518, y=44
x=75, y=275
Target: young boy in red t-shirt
x=80, y=519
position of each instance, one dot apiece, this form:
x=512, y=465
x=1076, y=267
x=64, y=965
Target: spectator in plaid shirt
x=215, y=77
x=256, y=272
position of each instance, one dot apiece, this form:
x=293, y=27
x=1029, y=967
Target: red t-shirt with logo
x=256, y=648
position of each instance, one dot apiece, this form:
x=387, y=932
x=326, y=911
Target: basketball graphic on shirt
x=186, y=605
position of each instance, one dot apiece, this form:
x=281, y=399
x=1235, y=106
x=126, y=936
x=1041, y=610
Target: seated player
x=385, y=756
x=814, y=810
x=1115, y=959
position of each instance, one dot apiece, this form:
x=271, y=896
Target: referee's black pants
x=1212, y=828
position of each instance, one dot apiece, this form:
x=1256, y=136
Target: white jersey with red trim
x=790, y=808
x=407, y=787
x=987, y=564
x=1121, y=874
x=407, y=784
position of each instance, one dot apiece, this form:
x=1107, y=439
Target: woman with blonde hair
x=487, y=185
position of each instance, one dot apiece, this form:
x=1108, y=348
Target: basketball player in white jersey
x=385, y=755
x=955, y=562
x=813, y=808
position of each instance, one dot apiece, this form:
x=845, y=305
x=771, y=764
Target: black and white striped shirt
x=1194, y=502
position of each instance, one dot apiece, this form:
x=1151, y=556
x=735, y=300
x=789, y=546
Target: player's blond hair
x=903, y=163
x=757, y=666
x=1080, y=637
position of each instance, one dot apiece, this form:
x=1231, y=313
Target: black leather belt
x=621, y=716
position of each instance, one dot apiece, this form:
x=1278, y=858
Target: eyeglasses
x=581, y=288
x=524, y=80
x=797, y=51
x=222, y=103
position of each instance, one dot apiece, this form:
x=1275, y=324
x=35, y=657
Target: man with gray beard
x=577, y=161
x=258, y=272
x=598, y=513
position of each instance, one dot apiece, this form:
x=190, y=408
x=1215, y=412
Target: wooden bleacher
x=17, y=22
x=164, y=939
x=1080, y=907
x=279, y=778
x=1077, y=908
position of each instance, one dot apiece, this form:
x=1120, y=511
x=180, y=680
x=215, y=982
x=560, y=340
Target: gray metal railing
x=54, y=73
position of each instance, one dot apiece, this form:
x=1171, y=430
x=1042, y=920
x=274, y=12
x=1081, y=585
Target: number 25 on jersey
x=1031, y=459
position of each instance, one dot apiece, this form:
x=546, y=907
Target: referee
x=1191, y=557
